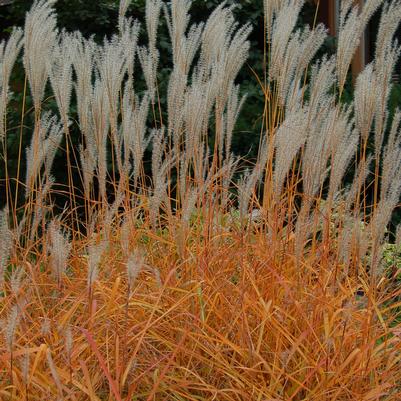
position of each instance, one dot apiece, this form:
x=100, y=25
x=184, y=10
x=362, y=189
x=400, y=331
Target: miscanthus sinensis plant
x=263, y=284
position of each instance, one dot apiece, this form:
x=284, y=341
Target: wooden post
x=327, y=14
x=332, y=17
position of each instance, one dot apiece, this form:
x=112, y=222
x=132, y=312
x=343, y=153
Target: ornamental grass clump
x=181, y=271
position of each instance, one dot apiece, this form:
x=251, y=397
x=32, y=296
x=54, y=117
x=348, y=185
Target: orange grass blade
x=102, y=363
x=90, y=390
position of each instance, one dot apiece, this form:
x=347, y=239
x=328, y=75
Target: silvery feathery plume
x=321, y=83
x=83, y=63
x=289, y=138
x=112, y=210
x=149, y=57
x=315, y=158
x=305, y=225
x=19, y=229
x=230, y=166
x=126, y=131
x=159, y=193
x=296, y=99
x=134, y=129
x=389, y=23
x=236, y=51
x=184, y=45
x=129, y=33
x=184, y=48
x=365, y=98
x=69, y=343
x=101, y=123
x=381, y=217
x=202, y=164
x=183, y=175
x=159, y=172
x=348, y=238
x=88, y=161
x=194, y=193
x=217, y=32
x=248, y=182
x=59, y=66
x=188, y=206
x=343, y=146
x=149, y=61
x=68, y=340
x=88, y=164
x=369, y=8
x=233, y=108
x=177, y=87
x=321, y=120
x=125, y=235
x=384, y=72
x=244, y=184
x=6, y=242
x=9, y=327
x=111, y=64
x=54, y=373
x=311, y=41
x=300, y=51
x=16, y=280
x=135, y=264
x=8, y=54
x=190, y=109
x=284, y=74
x=390, y=184
x=351, y=26
x=40, y=209
x=348, y=38
x=158, y=148
x=391, y=160
x=385, y=61
x=177, y=23
x=283, y=27
x=361, y=174
x=45, y=327
x=95, y=253
x=122, y=11
x=196, y=114
x=42, y=150
x=39, y=40
x=271, y=7
x=59, y=249
x=317, y=151
x=152, y=15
